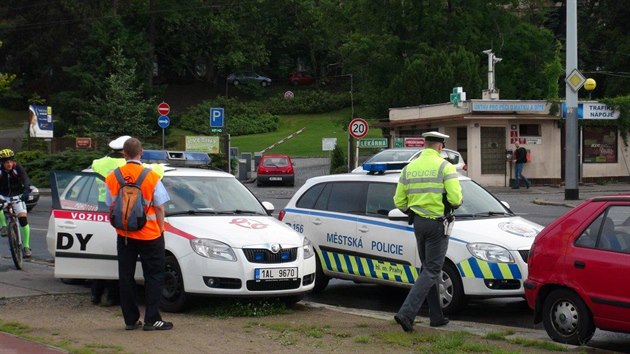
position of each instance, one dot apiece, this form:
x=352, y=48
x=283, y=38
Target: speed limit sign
x=358, y=128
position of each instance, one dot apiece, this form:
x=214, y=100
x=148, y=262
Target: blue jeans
x=432, y=246
x=518, y=174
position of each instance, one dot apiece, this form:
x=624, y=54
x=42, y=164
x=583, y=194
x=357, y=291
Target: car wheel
x=264, y=83
x=451, y=289
x=566, y=318
x=236, y=83
x=174, y=297
x=321, y=279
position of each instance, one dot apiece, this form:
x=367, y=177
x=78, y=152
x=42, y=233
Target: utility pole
x=571, y=191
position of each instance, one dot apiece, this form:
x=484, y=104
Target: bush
x=338, y=161
x=309, y=102
x=39, y=164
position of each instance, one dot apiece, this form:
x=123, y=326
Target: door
x=79, y=233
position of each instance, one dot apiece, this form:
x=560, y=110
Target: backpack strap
x=119, y=177
x=144, y=173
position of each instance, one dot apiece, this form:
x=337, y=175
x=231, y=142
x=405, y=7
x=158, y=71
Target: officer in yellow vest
x=428, y=190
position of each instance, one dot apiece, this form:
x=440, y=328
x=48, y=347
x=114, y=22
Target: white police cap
x=117, y=144
x=435, y=136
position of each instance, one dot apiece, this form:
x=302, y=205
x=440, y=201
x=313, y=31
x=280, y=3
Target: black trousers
x=152, y=256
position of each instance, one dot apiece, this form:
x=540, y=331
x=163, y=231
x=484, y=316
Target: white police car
x=220, y=240
x=358, y=234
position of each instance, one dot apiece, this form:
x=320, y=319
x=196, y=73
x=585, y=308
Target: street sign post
x=163, y=122
x=358, y=128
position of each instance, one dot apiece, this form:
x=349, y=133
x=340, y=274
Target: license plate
x=275, y=273
x=275, y=178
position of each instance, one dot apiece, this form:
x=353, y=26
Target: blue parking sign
x=216, y=117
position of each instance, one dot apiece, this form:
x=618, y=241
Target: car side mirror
x=506, y=204
x=269, y=207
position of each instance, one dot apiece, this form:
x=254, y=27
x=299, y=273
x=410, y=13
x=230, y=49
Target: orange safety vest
x=131, y=171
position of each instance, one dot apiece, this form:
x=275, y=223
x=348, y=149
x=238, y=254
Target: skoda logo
x=275, y=248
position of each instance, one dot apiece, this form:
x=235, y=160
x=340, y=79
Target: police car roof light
x=177, y=158
x=382, y=167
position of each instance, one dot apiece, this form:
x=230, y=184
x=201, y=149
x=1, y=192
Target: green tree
x=338, y=161
x=121, y=108
x=5, y=80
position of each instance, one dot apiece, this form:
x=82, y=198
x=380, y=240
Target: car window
x=478, y=201
x=392, y=155
x=84, y=192
x=451, y=157
x=379, y=199
x=308, y=199
x=347, y=197
x=275, y=162
x=609, y=231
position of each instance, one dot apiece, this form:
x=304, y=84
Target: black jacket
x=520, y=155
x=14, y=182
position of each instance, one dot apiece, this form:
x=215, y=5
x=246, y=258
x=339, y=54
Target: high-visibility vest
x=131, y=171
x=105, y=165
x=424, y=181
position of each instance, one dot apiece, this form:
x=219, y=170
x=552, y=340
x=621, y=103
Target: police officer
x=428, y=187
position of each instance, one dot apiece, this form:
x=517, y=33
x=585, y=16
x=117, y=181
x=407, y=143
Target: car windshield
x=479, y=203
x=392, y=155
x=275, y=162
x=191, y=195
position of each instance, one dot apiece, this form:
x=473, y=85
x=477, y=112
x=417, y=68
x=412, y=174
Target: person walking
x=520, y=158
x=148, y=243
x=428, y=190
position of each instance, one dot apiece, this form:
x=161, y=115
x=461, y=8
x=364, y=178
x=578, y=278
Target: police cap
x=117, y=144
x=435, y=136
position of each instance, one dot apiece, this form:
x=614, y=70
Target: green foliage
x=39, y=164
x=338, y=161
x=308, y=101
x=622, y=104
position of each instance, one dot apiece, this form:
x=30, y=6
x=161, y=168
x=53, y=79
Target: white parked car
x=408, y=154
x=359, y=235
x=220, y=240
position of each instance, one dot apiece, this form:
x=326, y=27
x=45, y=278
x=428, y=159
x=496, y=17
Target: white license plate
x=275, y=178
x=275, y=273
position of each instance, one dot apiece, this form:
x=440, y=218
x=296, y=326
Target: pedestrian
x=148, y=243
x=428, y=190
x=13, y=182
x=520, y=158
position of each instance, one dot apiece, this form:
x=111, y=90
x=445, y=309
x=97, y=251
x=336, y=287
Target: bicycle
x=13, y=229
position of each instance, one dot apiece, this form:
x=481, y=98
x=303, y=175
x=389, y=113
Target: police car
x=359, y=235
x=220, y=240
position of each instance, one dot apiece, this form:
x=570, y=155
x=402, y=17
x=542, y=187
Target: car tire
x=174, y=297
x=451, y=289
x=236, y=82
x=566, y=318
x=264, y=83
x=321, y=279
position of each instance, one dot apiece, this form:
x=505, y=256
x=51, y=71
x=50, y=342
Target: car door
x=597, y=264
x=80, y=236
x=391, y=245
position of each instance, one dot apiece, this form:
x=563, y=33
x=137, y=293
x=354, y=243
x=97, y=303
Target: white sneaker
x=3, y=231
x=27, y=252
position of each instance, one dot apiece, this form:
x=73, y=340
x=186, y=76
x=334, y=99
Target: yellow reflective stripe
x=485, y=269
x=366, y=266
x=505, y=271
x=468, y=273
x=355, y=266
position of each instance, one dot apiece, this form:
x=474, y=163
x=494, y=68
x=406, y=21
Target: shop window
x=529, y=129
x=599, y=145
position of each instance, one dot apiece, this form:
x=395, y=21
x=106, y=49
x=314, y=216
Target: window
x=308, y=199
x=347, y=197
x=380, y=199
x=610, y=231
x=529, y=129
x=599, y=145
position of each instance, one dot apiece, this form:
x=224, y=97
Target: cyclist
x=14, y=181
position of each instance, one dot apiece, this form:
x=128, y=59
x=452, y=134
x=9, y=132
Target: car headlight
x=213, y=249
x=490, y=253
x=307, y=246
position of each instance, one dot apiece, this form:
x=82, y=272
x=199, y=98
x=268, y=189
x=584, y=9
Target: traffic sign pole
x=358, y=128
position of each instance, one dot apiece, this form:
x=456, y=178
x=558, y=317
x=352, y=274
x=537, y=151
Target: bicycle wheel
x=15, y=244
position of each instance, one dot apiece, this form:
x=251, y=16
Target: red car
x=579, y=271
x=301, y=78
x=275, y=168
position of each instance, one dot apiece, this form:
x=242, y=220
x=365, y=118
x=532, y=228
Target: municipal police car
x=220, y=240
x=359, y=235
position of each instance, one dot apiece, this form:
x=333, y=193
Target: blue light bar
x=382, y=167
x=177, y=158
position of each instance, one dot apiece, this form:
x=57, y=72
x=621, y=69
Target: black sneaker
x=131, y=327
x=406, y=325
x=158, y=326
x=444, y=321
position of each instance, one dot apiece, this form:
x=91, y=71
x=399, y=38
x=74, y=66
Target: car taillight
x=465, y=168
x=281, y=214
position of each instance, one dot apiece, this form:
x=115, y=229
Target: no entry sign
x=164, y=109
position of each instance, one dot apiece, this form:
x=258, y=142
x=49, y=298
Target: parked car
x=220, y=240
x=275, y=168
x=301, y=78
x=360, y=235
x=409, y=154
x=577, y=267
x=33, y=198
x=248, y=77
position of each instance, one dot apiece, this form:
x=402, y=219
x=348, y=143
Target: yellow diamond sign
x=575, y=80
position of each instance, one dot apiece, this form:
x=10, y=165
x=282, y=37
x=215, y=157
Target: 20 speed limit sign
x=358, y=128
